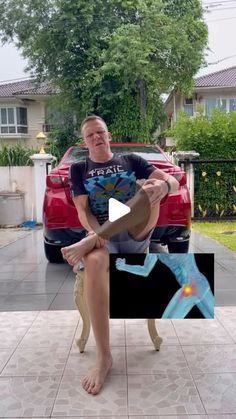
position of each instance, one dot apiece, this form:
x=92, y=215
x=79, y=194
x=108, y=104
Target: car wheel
x=53, y=253
x=178, y=247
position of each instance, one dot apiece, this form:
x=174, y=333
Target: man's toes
x=84, y=381
x=95, y=389
x=75, y=262
x=70, y=261
x=92, y=389
x=88, y=388
x=86, y=384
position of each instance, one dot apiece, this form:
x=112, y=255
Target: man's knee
x=97, y=260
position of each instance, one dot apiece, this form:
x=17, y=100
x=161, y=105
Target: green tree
x=63, y=122
x=110, y=55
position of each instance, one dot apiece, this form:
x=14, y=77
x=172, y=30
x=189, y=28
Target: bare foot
x=74, y=253
x=94, y=381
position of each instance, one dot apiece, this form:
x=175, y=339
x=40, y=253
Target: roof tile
x=27, y=87
x=222, y=78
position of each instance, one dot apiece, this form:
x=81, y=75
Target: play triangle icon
x=116, y=209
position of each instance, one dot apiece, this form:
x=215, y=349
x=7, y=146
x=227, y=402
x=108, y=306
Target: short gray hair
x=91, y=118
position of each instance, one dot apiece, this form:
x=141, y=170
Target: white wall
x=17, y=178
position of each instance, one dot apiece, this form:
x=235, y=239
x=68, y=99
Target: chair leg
x=156, y=339
x=83, y=310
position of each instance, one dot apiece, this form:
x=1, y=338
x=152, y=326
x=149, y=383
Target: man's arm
x=149, y=263
x=154, y=176
x=87, y=219
x=160, y=175
x=158, y=185
x=80, y=196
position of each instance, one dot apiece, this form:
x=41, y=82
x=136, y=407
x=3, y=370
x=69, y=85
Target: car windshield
x=75, y=154
x=148, y=153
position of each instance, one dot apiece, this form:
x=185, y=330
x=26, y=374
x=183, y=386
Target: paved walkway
x=225, y=267
x=10, y=235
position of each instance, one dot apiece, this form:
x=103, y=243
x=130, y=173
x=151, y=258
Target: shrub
x=212, y=137
x=16, y=155
x=215, y=187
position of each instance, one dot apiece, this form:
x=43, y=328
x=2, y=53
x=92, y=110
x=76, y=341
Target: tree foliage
x=105, y=53
x=63, y=132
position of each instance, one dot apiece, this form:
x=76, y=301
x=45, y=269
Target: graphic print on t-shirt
x=120, y=186
x=113, y=179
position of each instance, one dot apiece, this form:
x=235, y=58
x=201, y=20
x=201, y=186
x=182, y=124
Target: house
x=215, y=90
x=23, y=111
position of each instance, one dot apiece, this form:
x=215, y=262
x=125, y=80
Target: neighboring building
x=215, y=90
x=23, y=111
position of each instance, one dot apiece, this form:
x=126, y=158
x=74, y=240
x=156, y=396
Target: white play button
x=116, y=209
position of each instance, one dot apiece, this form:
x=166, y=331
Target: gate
x=213, y=184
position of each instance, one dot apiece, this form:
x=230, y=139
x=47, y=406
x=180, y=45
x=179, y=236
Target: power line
x=219, y=10
x=222, y=59
x=217, y=6
x=223, y=18
x=216, y=3
x=19, y=79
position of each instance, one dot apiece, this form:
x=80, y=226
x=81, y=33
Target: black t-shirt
x=115, y=178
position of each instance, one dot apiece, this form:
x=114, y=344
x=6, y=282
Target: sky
x=221, y=20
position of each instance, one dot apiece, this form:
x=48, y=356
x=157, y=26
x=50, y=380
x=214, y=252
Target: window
x=188, y=106
x=13, y=120
x=219, y=103
x=232, y=104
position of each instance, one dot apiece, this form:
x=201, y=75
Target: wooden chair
x=83, y=310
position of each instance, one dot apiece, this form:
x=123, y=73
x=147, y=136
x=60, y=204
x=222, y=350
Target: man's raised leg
x=140, y=231
x=140, y=213
x=96, y=290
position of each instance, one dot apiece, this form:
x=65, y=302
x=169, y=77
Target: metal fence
x=212, y=185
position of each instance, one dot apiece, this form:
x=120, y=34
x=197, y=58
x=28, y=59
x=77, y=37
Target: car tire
x=53, y=253
x=178, y=247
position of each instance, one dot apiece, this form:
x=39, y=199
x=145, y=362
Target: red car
x=62, y=226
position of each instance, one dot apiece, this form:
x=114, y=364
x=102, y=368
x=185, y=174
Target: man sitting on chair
x=104, y=175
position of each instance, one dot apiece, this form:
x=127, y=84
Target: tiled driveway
x=193, y=375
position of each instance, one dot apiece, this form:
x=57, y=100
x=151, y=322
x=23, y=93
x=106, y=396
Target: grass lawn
x=216, y=229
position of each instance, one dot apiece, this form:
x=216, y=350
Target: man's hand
x=100, y=242
x=155, y=189
x=120, y=264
